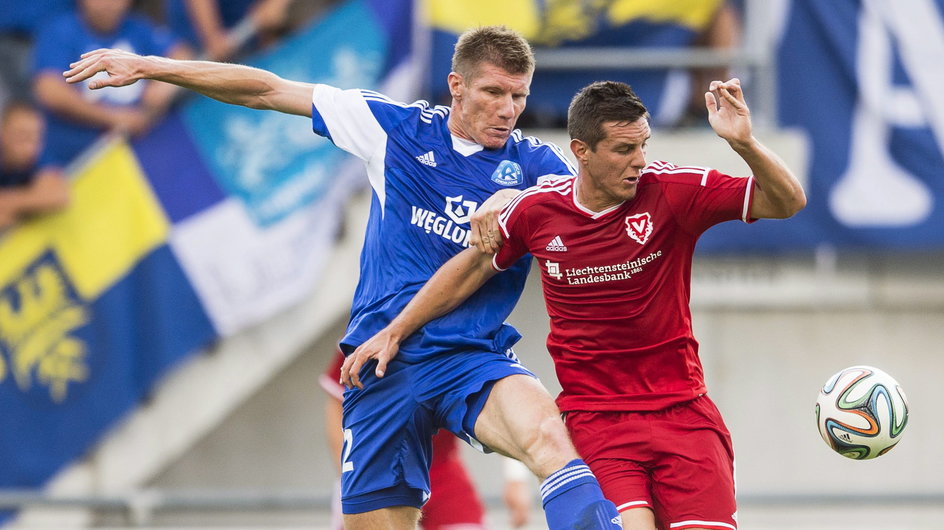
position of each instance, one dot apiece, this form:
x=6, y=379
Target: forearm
x=452, y=284
x=782, y=194
x=158, y=97
x=229, y=83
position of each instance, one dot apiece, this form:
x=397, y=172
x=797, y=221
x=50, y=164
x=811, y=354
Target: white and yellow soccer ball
x=861, y=412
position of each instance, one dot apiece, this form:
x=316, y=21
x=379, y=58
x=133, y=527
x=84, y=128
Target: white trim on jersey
x=561, y=186
x=426, y=113
x=377, y=96
x=747, y=199
x=354, y=128
x=662, y=166
x=591, y=213
x=426, y=116
x=495, y=264
x=465, y=147
x=631, y=504
x=708, y=524
x=704, y=177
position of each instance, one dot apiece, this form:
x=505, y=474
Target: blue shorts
x=389, y=425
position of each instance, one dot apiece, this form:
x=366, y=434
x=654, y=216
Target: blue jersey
x=426, y=185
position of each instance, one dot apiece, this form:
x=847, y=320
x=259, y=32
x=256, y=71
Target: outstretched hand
x=381, y=346
x=728, y=113
x=122, y=68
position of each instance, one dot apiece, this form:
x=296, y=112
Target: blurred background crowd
x=46, y=123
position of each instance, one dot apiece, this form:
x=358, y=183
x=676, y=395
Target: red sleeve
x=704, y=200
x=514, y=226
x=329, y=379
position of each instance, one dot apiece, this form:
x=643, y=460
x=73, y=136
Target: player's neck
x=456, y=129
x=592, y=198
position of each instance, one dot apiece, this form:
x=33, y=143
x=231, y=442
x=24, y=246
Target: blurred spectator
x=22, y=191
x=18, y=24
x=219, y=28
x=75, y=115
x=723, y=33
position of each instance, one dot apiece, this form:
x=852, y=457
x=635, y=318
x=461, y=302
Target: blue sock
x=573, y=499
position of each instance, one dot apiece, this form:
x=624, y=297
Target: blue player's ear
x=454, y=81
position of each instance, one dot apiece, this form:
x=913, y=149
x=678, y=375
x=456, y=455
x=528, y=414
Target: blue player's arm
x=230, y=83
x=455, y=281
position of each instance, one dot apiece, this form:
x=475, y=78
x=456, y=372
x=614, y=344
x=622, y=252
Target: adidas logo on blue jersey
x=427, y=159
x=556, y=245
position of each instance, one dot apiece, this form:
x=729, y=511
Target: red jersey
x=617, y=282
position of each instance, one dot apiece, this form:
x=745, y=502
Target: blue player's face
x=486, y=107
x=610, y=173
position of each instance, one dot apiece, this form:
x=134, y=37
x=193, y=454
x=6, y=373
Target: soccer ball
x=861, y=412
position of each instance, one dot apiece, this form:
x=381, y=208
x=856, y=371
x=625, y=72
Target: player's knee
x=550, y=447
x=554, y=434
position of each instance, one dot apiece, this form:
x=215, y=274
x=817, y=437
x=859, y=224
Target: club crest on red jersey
x=639, y=227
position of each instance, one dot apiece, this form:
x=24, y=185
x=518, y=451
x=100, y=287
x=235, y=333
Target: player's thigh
x=638, y=519
x=520, y=419
x=396, y=517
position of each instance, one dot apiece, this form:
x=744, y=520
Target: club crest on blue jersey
x=508, y=173
x=459, y=210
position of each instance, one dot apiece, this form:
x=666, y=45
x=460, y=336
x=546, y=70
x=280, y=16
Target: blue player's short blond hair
x=498, y=45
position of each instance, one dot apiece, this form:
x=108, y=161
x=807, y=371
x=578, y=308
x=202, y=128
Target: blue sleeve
x=547, y=160
x=357, y=121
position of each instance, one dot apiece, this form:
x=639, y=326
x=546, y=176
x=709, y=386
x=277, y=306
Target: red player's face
x=487, y=105
x=609, y=174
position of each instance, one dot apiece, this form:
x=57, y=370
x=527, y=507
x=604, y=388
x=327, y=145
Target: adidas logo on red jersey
x=556, y=245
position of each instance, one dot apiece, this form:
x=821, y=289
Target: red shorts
x=678, y=461
x=453, y=503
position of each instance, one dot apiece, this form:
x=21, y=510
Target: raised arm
x=777, y=192
x=229, y=83
x=455, y=281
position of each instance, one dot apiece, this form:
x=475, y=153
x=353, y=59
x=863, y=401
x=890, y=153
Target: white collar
x=465, y=147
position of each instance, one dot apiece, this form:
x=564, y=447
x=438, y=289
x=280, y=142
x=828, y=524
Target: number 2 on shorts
x=346, y=452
